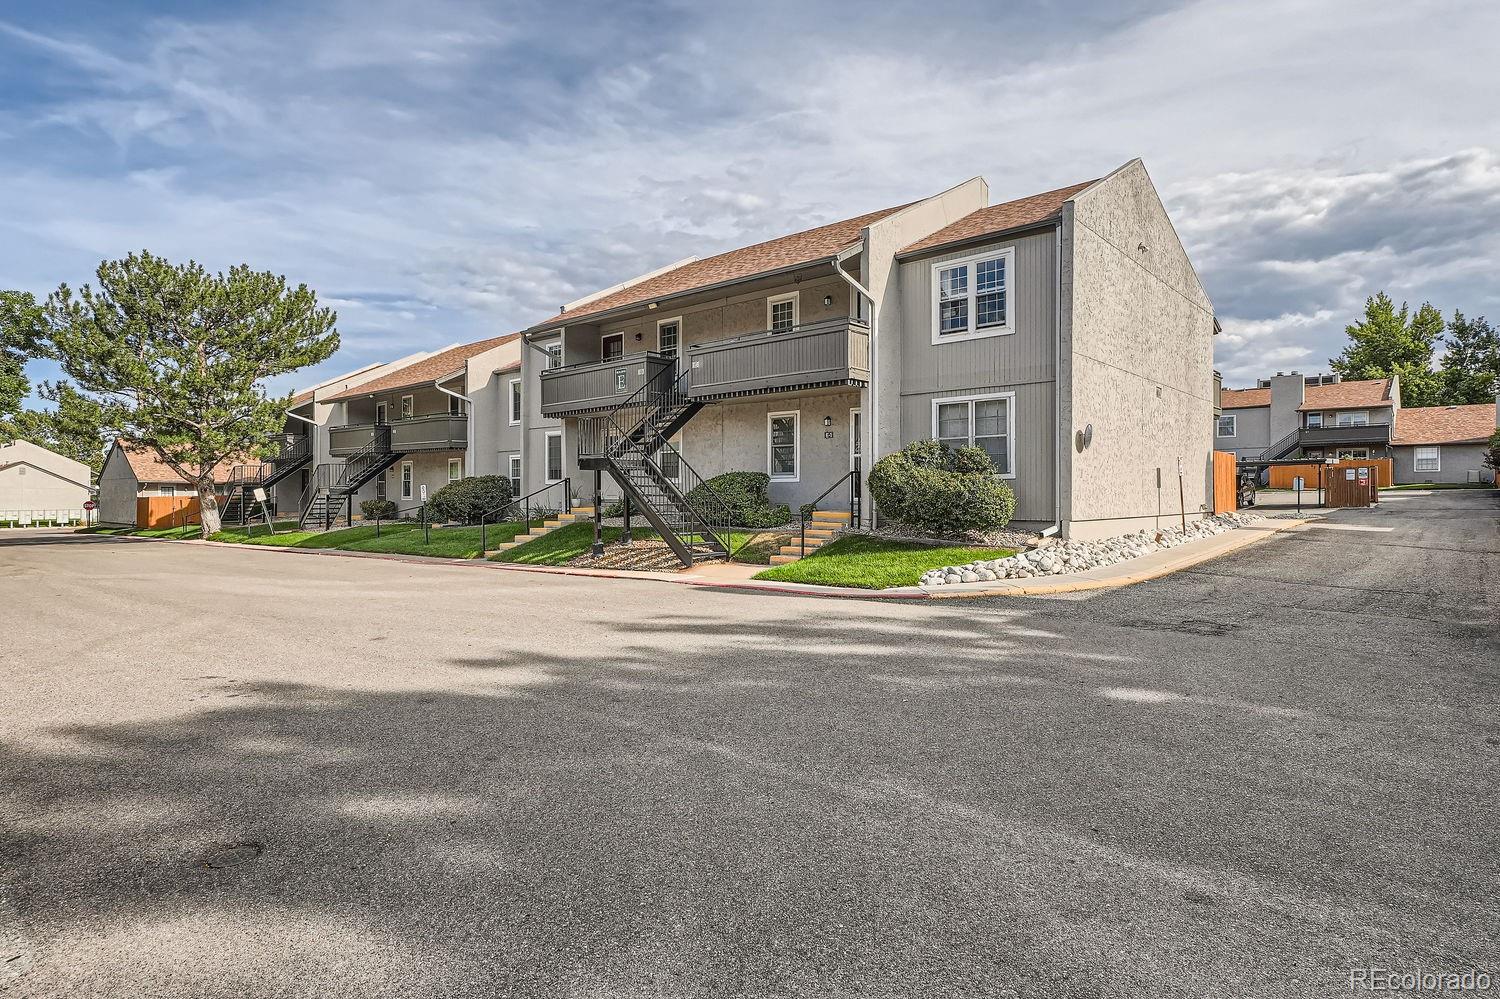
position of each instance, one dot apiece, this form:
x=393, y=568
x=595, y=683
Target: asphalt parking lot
x=231, y=772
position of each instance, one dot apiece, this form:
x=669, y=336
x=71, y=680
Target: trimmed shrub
x=947, y=491
x=466, y=500
x=748, y=496
x=379, y=509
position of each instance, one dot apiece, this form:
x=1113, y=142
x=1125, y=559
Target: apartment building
x=1065, y=333
x=1314, y=417
x=1444, y=443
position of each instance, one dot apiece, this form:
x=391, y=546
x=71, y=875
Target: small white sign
x=424, y=492
x=1297, y=483
x=259, y=494
x=1349, y=474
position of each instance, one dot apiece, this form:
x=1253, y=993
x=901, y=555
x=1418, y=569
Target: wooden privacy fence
x=1354, y=485
x=1282, y=475
x=168, y=511
x=1226, y=483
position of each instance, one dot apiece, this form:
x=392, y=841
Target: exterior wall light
x=1084, y=438
x=827, y=300
x=827, y=421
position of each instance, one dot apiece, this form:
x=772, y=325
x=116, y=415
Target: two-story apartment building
x=1064, y=333
x=1309, y=416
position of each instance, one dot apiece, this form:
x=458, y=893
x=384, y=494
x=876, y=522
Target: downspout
x=469, y=425
x=1057, y=389
x=872, y=418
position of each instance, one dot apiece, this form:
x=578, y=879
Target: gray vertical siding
x=1023, y=362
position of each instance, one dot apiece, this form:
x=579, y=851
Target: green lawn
x=567, y=543
x=444, y=542
x=874, y=563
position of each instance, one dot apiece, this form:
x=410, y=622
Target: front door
x=380, y=413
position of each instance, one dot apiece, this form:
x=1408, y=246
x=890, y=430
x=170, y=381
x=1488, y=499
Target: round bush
x=748, y=496
x=467, y=500
x=378, y=509
x=932, y=487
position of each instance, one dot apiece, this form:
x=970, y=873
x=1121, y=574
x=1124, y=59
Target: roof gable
x=148, y=467
x=23, y=452
x=423, y=371
x=1367, y=392
x=1018, y=214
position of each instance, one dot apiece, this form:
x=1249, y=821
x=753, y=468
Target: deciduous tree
x=1387, y=342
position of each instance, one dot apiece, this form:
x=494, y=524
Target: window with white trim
x=408, y=407
x=781, y=312
x=986, y=422
x=1353, y=454
x=555, y=456
x=455, y=469
x=1226, y=426
x=515, y=475
x=668, y=332
x=1354, y=418
x=971, y=296
x=612, y=346
x=781, y=446
x=406, y=480
x=554, y=354
x=515, y=402
x=1427, y=459
x=1314, y=421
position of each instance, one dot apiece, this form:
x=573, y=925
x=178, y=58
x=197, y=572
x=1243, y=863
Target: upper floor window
x=667, y=334
x=554, y=354
x=985, y=422
x=612, y=347
x=408, y=407
x=515, y=401
x=971, y=296
x=1314, y=421
x=781, y=312
x=1354, y=418
x=1226, y=426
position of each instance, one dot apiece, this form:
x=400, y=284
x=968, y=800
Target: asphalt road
x=229, y=772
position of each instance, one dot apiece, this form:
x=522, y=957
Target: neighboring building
x=35, y=481
x=1314, y=417
x=133, y=472
x=1064, y=333
x=1444, y=443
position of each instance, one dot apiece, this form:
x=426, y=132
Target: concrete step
x=842, y=516
x=795, y=549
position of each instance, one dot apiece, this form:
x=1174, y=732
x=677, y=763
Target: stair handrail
x=524, y=503
x=1282, y=446
x=808, y=509
x=380, y=445
x=699, y=482
x=319, y=480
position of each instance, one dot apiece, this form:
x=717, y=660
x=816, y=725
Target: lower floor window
x=1353, y=454
x=782, y=445
x=406, y=480
x=455, y=469
x=1428, y=459
x=554, y=457
x=983, y=422
x=515, y=475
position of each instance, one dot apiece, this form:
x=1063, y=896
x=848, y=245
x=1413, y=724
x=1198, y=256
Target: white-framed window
x=554, y=456
x=406, y=480
x=781, y=446
x=612, y=346
x=1226, y=426
x=455, y=469
x=781, y=311
x=166, y=490
x=668, y=336
x=1314, y=421
x=554, y=354
x=982, y=421
x=1353, y=454
x=971, y=296
x=455, y=406
x=382, y=413
x=1427, y=459
x=515, y=475
x=856, y=440
x=408, y=407
x=515, y=402
x=1354, y=418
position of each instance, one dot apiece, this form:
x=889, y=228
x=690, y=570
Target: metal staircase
x=625, y=442
x=1283, y=447
x=295, y=451
x=331, y=488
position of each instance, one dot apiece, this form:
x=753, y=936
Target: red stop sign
x=88, y=505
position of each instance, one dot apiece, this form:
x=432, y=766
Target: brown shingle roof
x=999, y=218
x=303, y=398
x=424, y=371
x=150, y=468
x=1348, y=395
x=1244, y=398
x=747, y=262
x=1445, y=425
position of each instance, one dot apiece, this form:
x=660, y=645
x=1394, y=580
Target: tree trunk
x=208, y=507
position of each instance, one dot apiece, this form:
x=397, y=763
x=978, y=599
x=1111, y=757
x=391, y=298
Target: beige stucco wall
x=117, y=490
x=1138, y=362
x=33, y=479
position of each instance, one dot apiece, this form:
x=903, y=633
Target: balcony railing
x=1374, y=433
x=834, y=352
x=598, y=385
x=443, y=432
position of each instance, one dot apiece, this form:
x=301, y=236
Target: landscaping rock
x=1060, y=557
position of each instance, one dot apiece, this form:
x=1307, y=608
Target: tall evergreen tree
x=74, y=427
x=21, y=338
x=176, y=358
x=1470, y=370
x=1387, y=342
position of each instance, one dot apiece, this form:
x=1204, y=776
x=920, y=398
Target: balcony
x=443, y=432
x=1372, y=434
x=835, y=352
x=599, y=385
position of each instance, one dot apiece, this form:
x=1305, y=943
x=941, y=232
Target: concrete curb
x=1139, y=570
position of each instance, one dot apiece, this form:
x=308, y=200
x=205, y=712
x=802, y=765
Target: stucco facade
x=35, y=481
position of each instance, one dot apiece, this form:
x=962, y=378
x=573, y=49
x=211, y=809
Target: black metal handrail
x=855, y=497
x=612, y=362
x=842, y=322
x=1281, y=447
x=360, y=461
x=294, y=449
x=525, y=505
x=421, y=516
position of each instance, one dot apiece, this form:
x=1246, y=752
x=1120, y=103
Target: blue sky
x=446, y=171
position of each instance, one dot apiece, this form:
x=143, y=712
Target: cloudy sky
x=445, y=171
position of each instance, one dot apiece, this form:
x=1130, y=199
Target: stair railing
x=710, y=509
x=320, y=481
x=358, y=463
x=808, y=509
x=1281, y=447
x=524, y=506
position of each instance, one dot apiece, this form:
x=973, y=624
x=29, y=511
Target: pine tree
x=73, y=428
x=176, y=358
x=1393, y=342
x=1470, y=371
x=21, y=332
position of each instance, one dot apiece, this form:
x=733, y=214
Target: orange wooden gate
x=1226, y=483
x=167, y=511
x=1281, y=476
x=1354, y=485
